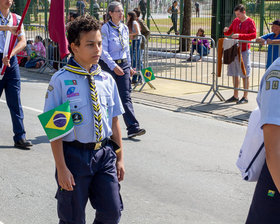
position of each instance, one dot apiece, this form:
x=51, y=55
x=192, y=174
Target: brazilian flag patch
x=271, y=193
x=148, y=74
x=57, y=122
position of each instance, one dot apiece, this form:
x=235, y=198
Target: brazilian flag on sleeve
x=148, y=74
x=57, y=122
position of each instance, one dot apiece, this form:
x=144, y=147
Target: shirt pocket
x=107, y=105
x=80, y=111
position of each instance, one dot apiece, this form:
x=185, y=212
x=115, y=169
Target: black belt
x=93, y=145
x=119, y=61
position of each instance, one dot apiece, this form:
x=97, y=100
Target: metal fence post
x=218, y=19
x=181, y=15
x=261, y=17
x=67, y=6
x=91, y=7
x=148, y=14
x=46, y=15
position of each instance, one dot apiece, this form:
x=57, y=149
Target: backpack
x=252, y=153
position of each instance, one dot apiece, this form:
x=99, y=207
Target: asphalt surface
x=181, y=172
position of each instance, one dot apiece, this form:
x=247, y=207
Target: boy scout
x=11, y=80
x=266, y=200
x=89, y=163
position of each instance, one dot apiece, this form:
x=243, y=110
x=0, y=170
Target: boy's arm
x=272, y=150
x=275, y=41
x=117, y=137
x=64, y=176
x=21, y=44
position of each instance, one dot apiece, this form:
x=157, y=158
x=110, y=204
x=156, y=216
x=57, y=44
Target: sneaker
x=232, y=99
x=23, y=144
x=136, y=133
x=242, y=101
x=168, y=33
x=189, y=59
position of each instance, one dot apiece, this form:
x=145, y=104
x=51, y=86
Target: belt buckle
x=97, y=145
x=119, y=61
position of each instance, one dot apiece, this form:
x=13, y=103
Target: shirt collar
x=6, y=18
x=75, y=67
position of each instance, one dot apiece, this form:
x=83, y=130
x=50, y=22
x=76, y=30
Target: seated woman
x=202, y=46
x=37, y=55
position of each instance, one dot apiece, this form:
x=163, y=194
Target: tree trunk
x=185, y=43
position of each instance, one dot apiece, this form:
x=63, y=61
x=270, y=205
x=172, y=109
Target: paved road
x=181, y=172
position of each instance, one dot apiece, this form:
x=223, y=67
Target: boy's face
x=90, y=48
x=6, y=3
x=275, y=29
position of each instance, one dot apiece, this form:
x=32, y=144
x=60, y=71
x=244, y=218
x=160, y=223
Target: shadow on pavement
x=40, y=139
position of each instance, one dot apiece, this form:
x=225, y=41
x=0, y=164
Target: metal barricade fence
x=31, y=32
x=255, y=68
x=51, y=59
x=168, y=60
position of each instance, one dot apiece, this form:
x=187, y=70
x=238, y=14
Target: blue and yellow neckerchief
x=74, y=67
x=3, y=20
x=118, y=29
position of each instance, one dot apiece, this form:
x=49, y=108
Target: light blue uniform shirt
x=271, y=48
x=65, y=85
x=112, y=48
x=3, y=34
x=269, y=95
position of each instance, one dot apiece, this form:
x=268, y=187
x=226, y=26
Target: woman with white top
x=134, y=39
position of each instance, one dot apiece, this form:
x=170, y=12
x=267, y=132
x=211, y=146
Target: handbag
x=252, y=153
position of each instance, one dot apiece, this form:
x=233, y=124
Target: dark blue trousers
x=202, y=50
x=124, y=87
x=11, y=84
x=265, y=207
x=96, y=179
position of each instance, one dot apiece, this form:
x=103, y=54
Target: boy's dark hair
x=240, y=8
x=82, y=24
x=137, y=12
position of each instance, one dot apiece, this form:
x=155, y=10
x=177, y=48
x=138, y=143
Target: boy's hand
x=120, y=170
x=226, y=29
x=6, y=61
x=13, y=30
x=118, y=71
x=269, y=41
x=65, y=179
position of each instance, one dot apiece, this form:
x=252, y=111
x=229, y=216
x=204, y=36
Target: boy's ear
x=73, y=47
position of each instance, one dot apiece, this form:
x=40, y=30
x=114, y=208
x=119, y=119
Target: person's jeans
x=137, y=77
x=201, y=49
x=135, y=54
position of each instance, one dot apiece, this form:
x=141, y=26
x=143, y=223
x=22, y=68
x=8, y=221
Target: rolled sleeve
x=269, y=97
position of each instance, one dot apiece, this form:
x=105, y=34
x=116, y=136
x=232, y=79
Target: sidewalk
x=179, y=96
x=184, y=97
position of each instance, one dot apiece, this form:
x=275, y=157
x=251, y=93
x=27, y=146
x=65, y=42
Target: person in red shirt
x=241, y=28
